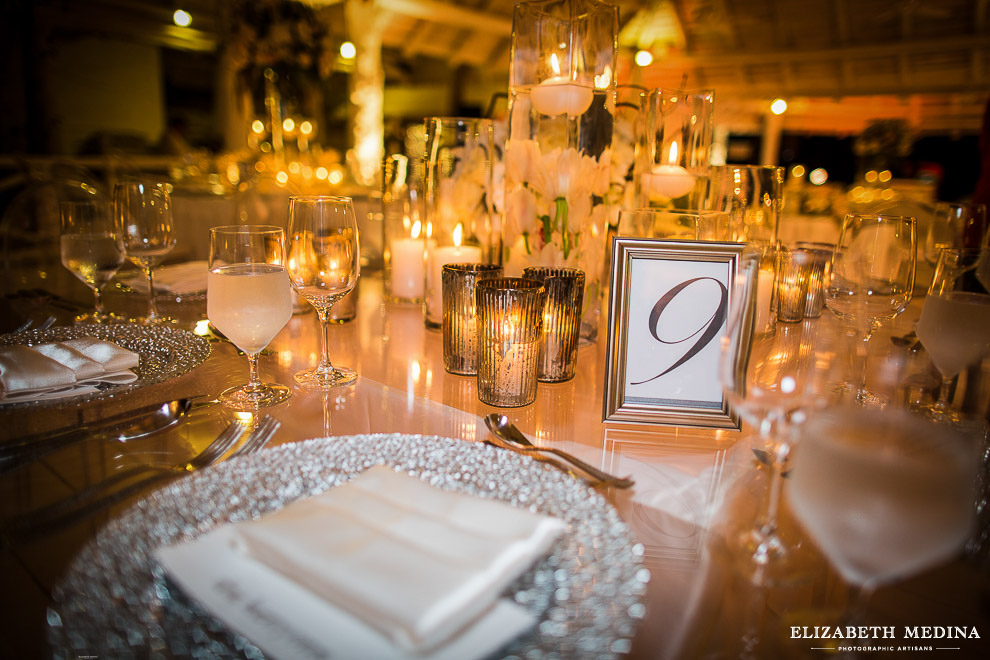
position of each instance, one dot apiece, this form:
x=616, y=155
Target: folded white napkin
x=405, y=568
x=184, y=278
x=63, y=369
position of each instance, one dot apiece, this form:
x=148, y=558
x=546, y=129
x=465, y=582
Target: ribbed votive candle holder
x=818, y=275
x=561, y=320
x=792, y=285
x=460, y=324
x=510, y=329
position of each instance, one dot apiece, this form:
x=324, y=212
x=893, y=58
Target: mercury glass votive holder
x=818, y=276
x=510, y=329
x=793, y=267
x=561, y=320
x=460, y=323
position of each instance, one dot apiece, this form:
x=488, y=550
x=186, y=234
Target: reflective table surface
x=691, y=484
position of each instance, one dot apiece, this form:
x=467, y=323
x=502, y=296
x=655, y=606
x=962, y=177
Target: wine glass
x=773, y=380
x=324, y=265
x=883, y=493
x=872, y=279
x=249, y=300
x=143, y=214
x=955, y=321
x=955, y=226
x=91, y=248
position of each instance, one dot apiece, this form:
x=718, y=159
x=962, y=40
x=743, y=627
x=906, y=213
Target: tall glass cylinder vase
x=402, y=241
x=673, y=163
x=557, y=157
x=458, y=200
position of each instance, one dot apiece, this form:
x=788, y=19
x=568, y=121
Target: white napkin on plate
x=406, y=569
x=63, y=369
x=184, y=278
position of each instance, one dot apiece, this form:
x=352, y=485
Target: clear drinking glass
x=91, y=249
x=955, y=226
x=324, y=265
x=871, y=280
x=248, y=299
x=773, y=381
x=955, y=321
x=884, y=494
x=143, y=213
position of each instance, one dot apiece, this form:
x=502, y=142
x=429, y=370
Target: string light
x=182, y=18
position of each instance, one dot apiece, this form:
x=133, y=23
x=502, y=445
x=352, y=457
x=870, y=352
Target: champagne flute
x=249, y=300
x=872, y=278
x=143, y=214
x=324, y=265
x=91, y=248
x=955, y=322
x=773, y=381
x=884, y=494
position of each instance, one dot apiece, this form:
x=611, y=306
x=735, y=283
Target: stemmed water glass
x=143, y=213
x=884, y=494
x=955, y=226
x=872, y=280
x=324, y=264
x=91, y=248
x=249, y=300
x=955, y=321
x=773, y=380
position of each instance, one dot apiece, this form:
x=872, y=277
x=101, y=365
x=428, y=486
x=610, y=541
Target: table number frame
x=668, y=311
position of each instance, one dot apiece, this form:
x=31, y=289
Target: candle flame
x=458, y=235
x=603, y=81
x=416, y=229
x=672, y=158
x=554, y=64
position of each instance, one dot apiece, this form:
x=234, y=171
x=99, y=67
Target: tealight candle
x=559, y=95
x=561, y=320
x=408, y=268
x=460, y=342
x=792, y=285
x=437, y=258
x=510, y=327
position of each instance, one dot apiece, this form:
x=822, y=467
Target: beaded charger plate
x=115, y=600
x=164, y=353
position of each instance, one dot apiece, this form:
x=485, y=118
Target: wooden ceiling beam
x=450, y=15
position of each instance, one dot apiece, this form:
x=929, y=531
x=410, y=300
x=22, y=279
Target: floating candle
x=669, y=182
x=559, y=95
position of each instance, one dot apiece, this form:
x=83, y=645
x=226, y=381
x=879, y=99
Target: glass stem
x=864, y=361
x=944, y=393
x=98, y=303
x=325, y=365
x=254, y=383
x=152, y=306
x=780, y=452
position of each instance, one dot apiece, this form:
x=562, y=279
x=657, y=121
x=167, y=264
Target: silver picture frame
x=669, y=304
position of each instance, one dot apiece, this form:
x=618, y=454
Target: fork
x=81, y=505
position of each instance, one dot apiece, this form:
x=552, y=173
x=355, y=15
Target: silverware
x=137, y=423
x=258, y=437
x=507, y=433
x=86, y=502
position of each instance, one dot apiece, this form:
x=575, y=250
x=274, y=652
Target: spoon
x=126, y=426
x=506, y=431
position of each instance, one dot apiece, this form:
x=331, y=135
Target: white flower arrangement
x=461, y=196
x=557, y=201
